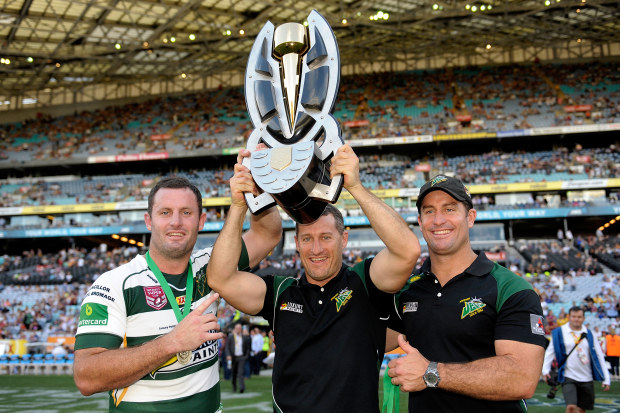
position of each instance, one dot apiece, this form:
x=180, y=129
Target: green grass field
x=58, y=394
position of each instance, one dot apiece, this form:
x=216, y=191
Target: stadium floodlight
x=29, y=59
x=117, y=46
x=192, y=36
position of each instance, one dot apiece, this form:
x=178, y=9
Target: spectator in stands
x=135, y=302
x=612, y=348
x=562, y=317
x=333, y=312
x=485, y=354
x=580, y=368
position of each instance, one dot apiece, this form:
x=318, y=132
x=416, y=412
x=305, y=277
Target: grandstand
x=535, y=142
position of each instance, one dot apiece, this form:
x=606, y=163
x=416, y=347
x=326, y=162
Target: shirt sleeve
x=102, y=316
x=268, y=305
x=244, y=258
x=549, y=357
x=520, y=319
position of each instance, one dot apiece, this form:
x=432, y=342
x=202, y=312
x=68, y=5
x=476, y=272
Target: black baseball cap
x=452, y=186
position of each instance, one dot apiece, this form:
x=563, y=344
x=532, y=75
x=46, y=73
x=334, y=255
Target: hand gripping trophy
x=291, y=84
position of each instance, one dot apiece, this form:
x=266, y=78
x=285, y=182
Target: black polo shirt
x=460, y=322
x=329, y=341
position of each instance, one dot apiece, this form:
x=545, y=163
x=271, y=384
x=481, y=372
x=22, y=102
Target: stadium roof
x=67, y=44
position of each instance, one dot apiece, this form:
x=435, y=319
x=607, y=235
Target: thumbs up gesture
x=407, y=371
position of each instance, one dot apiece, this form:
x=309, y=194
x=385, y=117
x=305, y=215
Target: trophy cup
x=291, y=84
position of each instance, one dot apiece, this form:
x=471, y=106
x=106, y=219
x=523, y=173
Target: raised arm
x=512, y=374
x=265, y=229
x=393, y=265
x=243, y=290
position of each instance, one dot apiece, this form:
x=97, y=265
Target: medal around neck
x=184, y=357
x=291, y=83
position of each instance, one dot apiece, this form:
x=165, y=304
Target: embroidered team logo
x=342, y=298
x=538, y=324
x=294, y=307
x=414, y=279
x=472, y=307
x=155, y=297
x=438, y=179
x=410, y=307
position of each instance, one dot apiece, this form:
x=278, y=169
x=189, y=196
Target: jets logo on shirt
x=294, y=307
x=342, y=298
x=155, y=297
x=410, y=307
x=471, y=307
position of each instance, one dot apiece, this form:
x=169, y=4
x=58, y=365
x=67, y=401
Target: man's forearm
x=227, y=248
x=119, y=368
x=493, y=378
x=385, y=221
x=264, y=234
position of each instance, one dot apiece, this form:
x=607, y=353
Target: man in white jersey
x=148, y=331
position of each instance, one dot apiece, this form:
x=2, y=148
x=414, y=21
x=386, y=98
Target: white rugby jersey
x=126, y=307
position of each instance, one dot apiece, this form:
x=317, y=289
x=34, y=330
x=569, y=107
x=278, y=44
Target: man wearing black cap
x=474, y=329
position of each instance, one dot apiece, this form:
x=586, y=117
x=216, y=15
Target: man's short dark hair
x=175, y=182
x=333, y=211
x=575, y=308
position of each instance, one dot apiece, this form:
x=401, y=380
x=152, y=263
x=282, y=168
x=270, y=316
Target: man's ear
x=147, y=220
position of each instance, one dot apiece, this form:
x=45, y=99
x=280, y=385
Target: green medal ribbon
x=189, y=288
x=391, y=395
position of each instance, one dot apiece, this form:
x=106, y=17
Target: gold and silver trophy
x=291, y=83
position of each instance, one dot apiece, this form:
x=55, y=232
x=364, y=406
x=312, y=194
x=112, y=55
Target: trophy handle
x=257, y=204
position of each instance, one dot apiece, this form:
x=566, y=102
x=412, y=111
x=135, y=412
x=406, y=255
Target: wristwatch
x=431, y=377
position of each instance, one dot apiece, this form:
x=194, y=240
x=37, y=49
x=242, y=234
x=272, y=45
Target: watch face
x=430, y=379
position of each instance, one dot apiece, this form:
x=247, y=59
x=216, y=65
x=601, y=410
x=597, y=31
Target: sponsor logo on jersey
x=155, y=297
x=100, y=291
x=93, y=314
x=181, y=301
x=537, y=323
x=471, y=307
x=342, y=298
x=294, y=307
x=207, y=352
x=410, y=307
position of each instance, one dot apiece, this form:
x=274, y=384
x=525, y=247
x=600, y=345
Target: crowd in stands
x=36, y=302
x=384, y=171
x=417, y=102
